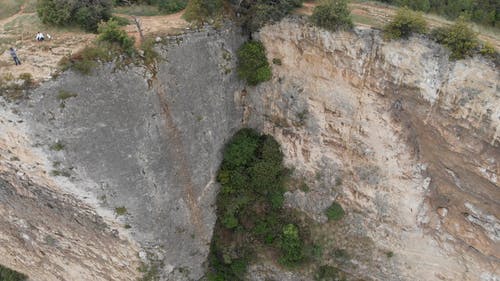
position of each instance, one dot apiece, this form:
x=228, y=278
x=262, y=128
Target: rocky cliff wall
x=138, y=146
x=407, y=141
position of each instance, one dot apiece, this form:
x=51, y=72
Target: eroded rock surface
x=397, y=134
x=140, y=146
x=405, y=140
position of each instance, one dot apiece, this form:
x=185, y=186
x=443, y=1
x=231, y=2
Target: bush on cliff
x=405, y=23
x=252, y=63
x=112, y=43
x=250, y=208
x=332, y=15
x=7, y=274
x=111, y=33
x=458, y=38
x=84, y=13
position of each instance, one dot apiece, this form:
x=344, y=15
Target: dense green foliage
x=201, y=11
x=84, y=13
x=111, y=33
x=329, y=273
x=335, y=212
x=405, y=23
x=482, y=11
x=250, y=208
x=252, y=14
x=7, y=274
x=256, y=13
x=332, y=15
x=252, y=63
x=171, y=6
x=459, y=38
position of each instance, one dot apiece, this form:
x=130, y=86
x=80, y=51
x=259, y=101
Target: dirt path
x=157, y=25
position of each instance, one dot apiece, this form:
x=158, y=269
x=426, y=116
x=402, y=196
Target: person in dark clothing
x=14, y=56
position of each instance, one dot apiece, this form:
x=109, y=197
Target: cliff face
x=120, y=168
x=405, y=140
x=138, y=149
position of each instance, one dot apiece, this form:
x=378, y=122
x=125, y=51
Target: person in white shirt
x=39, y=36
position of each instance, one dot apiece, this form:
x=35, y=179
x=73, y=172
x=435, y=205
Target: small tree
x=110, y=32
x=201, y=10
x=252, y=63
x=332, y=15
x=405, y=23
x=459, y=38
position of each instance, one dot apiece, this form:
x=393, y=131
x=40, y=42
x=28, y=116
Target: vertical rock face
x=140, y=149
x=100, y=172
x=407, y=141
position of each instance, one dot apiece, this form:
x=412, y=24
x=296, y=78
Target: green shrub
x=291, y=246
x=458, y=38
x=335, y=212
x=171, y=6
x=481, y=11
x=405, y=23
x=250, y=207
x=277, y=61
x=121, y=21
x=63, y=95
x=332, y=15
x=252, y=63
x=256, y=13
x=58, y=146
x=149, y=53
x=120, y=211
x=328, y=273
x=86, y=60
x=7, y=274
x=487, y=50
x=111, y=33
x=84, y=13
x=201, y=11
x=27, y=78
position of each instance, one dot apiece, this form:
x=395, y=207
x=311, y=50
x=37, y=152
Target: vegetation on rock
x=482, y=11
x=7, y=274
x=250, y=208
x=405, y=23
x=111, y=33
x=335, y=212
x=459, y=38
x=332, y=15
x=252, y=63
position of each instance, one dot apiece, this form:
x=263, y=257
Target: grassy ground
x=11, y=7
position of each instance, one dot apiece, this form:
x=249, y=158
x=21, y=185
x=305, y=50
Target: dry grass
x=9, y=8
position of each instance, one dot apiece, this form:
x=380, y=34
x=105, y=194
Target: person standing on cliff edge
x=14, y=56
